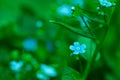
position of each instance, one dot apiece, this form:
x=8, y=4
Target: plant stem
x=98, y=47
x=87, y=25
x=87, y=70
x=81, y=67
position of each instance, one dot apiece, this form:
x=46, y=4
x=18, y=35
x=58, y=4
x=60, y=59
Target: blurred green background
x=28, y=40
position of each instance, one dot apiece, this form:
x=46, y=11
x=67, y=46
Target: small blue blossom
x=30, y=44
x=77, y=48
x=16, y=66
x=105, y=3
x=64, y=10
x=48, y=70
x=42, y=76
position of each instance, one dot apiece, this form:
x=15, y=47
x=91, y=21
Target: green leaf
x=90, y=48
x=75, y=30
x=70, y=74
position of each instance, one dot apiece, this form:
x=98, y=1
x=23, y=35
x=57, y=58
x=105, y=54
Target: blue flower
x=77, y=48
x=105, y=3
x=30, y=44
x=48, y=70
x=64, y=10
x=16, y=66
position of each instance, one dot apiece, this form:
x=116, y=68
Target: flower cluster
x=106, y=3
x=77, y=48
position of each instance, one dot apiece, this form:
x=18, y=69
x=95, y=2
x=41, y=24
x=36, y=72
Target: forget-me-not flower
x=105, y=3
x=16, y=66
x=64, y=10
x=77, y=48
x=48, y=70
x=30, y=44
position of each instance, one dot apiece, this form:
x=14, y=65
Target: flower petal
x=83, y=46
x=82, y=51
x=76, y=44
x=72, y=47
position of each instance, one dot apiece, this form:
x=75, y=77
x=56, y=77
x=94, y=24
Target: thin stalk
x=98, y=47
x=81, y=67
x=87, y=26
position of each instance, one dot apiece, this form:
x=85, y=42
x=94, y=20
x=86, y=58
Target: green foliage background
x=17, y=22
